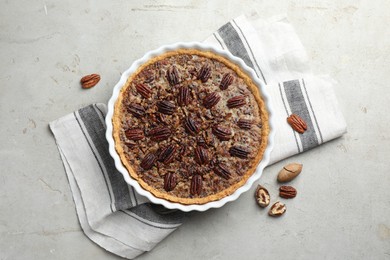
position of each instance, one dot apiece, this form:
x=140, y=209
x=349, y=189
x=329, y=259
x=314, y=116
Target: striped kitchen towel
x=110, y=212
x=274, y=51
x=125, y=223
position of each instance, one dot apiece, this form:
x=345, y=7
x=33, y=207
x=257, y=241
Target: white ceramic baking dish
x=170, y=205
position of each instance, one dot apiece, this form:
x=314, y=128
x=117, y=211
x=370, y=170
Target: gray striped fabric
x=279, y=59
x=107, y=207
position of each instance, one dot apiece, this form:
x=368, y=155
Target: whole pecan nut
x=201, y=155
x=222, y=170
x=135, y=134
x=159, y=133
x=237, y=101
x=239, y=151
x=173, y=76
x=297, y=123
x=170, y=181
x=136, y=110
x=289, y=172
x=287, y=192
x=226, y=81
x=223, y=133
x=143, y=90
x=89, y=81
x=262, y=196
x=277, y=209
x=196, y=184
x=211, y=100
x=148, y=161
x=204, y=73
x=166, y=107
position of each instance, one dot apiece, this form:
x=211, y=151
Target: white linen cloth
x=116, y=218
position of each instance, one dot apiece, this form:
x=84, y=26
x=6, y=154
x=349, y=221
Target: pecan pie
x=190, y=126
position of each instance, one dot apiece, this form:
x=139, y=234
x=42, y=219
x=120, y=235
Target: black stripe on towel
x=285, y=107
x=312, y=110
x=96, y=130
x=234, y=44
x=94, y=154
x=250, y=50
x=220, y=43
x=298, y=106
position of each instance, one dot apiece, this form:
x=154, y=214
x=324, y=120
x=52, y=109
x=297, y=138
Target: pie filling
x=190, y=126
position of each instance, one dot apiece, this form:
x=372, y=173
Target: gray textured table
x=343, y=207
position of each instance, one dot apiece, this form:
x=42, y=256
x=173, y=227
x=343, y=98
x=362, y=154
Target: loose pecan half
x=297, y=123
x=143, y=90
x=89, y=81
x=204, y=73
x=148, y=161
x=135, y=134
x=201, y=155
x=239, y=151
x=166, y=107
x=136, y=110
x=222, y=170
x=173, y=76
x=196, y=184
x=287, y=192
x=244, y=123
x=183, y=98
x=170, y=181
x=223, y=133
x=159, y=133
x=167, y=154
x=211, y=100
x=226, y=81
x=237, y=101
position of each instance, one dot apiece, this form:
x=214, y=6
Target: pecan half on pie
x=190, y=126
